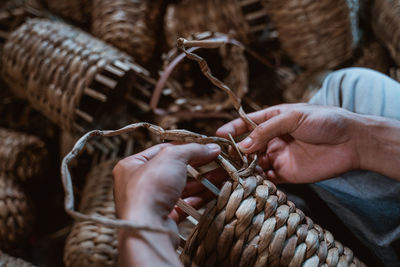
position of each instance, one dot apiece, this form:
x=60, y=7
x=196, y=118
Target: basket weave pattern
x=255, y=225
x=15, y=213
x=21, y=156
x=9, y=261
x=385, y=23
x=76, y=10
x=89, y=243
x=314, y=33
x=55, y=66
x=129, y=25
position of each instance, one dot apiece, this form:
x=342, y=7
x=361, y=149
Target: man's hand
x=302, y=143
x=146, y=188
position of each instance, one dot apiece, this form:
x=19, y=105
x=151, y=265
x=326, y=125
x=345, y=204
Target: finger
x=273, y=177
x=216, y=177
x=144, y=156
x=191, y=153
x=277, y=126
x=238, y=126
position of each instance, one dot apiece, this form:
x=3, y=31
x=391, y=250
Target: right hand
x=300, y=143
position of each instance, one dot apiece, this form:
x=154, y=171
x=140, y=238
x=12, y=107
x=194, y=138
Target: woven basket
x=66, y=74
x=15, y=213
x=21, y=156
x=9, y=261
x=245, y=19
x=385, y=23
x=373, y=56
x=255, y=225
x=75, y=10
x=89, y=243
x=316, y=34
x=128, y=25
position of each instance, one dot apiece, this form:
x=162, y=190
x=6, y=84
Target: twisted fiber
x=225, y=16
x=9, y=261
x=385, y=23
x=253, y=224
x=314, y=33
x=21, y=156
x=52, y=64
x=373, y=56
x=15, y=213
x=129, y=25
x=76, y=10
x=90, y=243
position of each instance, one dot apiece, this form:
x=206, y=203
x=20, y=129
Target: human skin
x=303, y=143
x=146, y=187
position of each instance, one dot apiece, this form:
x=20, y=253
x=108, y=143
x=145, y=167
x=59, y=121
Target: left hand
x=148, y=184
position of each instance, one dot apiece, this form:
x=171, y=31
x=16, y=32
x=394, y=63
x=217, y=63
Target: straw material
x=385, y=23
x=89, y=243
x=15, y=213
x=316, y=34
x=9, y=261
x=244, y=19
x=65, y=73
x=76, y=10
x=373, y=56
x=253, y=224
x=128, y=25
x=21, y=155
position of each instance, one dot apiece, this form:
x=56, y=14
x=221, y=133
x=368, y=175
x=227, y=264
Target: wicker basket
x=9, y=261
x=15, y=213
x=316, y=34
x=89, y=243
x=373, y=56
x=21, y=156
x=245, y=19
x=67, y=74
x=385, y=23
x=131, y=26
x=255, y=225
x=75, y=10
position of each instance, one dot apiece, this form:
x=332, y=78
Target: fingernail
x=246, y=143
x=213, y=147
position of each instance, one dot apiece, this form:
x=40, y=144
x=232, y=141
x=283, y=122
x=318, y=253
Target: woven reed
x=15, y=213
x=21, y=155
x=315, y=34
x=373, y=56
x=246, y=20
x=76, y=10
x=385, y=23
x=128, y=25
x=253, y=224
x=65, y=73
x=10, y=261
x=89, y=243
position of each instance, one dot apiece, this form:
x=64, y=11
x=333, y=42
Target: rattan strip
x=89, y=243
x=225, y=16
x=15, y=213
x=253, y=224
x=128, y=25
x=10, y=261
x=385, y=23
x=75, y=10
x=21, y=155
x=314, y=34
x=54, y=65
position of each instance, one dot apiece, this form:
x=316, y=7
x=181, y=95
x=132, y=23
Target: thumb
x=192, y=153
x=277, y=126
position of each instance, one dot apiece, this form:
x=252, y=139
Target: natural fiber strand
x=21, y=156
x=89, y=243
x=10, y=261
x=16, y=213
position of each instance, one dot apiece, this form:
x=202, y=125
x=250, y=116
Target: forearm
x=378, y=143
x=146, y=248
